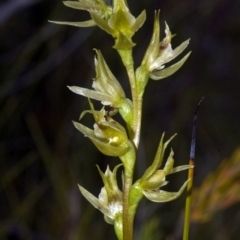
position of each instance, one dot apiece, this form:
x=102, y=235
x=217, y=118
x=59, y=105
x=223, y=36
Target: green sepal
x=110, y=183
x=89, y=23
x=139, y=21
x=161, y=196
x=100, y=96
x=98, y=204
x=158, y=75
x=167, y=55
x=105, y=80
x=153, y=48
x=123, y=42
x=103, y=24
x=103, y=145
x=155, y=181
x=122, y=21
x=169, y=163
x=158, y=158
x=89, y=6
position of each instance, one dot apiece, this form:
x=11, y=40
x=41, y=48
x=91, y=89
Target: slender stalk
x=128, y=162
x=127, y=222
x=190, y=176
x=128, y=62
x=188, y=201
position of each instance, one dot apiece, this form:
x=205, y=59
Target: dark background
x=42, y=156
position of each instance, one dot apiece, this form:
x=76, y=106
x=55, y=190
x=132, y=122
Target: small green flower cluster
x=110, y=137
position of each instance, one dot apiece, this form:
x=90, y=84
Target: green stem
x=128, y=160
x=188, y=202
x=127, y=222
x=128, y=62
x=128, y=218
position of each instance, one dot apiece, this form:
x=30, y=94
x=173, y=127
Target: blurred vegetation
x=42, y=156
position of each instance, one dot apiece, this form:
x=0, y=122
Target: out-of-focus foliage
x=42, y=156
x=220, y=190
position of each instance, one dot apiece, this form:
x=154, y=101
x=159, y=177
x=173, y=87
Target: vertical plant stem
x=128, y=62
x=188, y=201
x=126, y=56
x=127, y=222
x=128, y=161
x=190, y=176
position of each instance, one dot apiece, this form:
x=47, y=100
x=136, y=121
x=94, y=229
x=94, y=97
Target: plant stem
x=128, y=62
x=188, y=201
x=128, y=160
x=127, y=222
x=128, y=218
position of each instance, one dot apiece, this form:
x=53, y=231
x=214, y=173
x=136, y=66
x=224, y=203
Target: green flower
x=107, y=135
x=115, y=20
x=109, y=201
x=154, y=178
x=99, y=7
x=160, y=53
x=107, y=90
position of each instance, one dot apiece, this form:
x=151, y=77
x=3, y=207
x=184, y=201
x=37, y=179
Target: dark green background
x=42, y=156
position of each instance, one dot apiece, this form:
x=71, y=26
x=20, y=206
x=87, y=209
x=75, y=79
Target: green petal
x=89, y=23
x=139, y=21
x=180, y=168
x=169, y=164
x=89, y=6
x=158, y=75
x=168, y=54
x=163, y=196
x=122, y=21
x=102, y=24
x=85, y=130
x=107, y=149
x=153, y=48
x=178, y=50
x=158, y=158
x=107, y=81
x=95, y=202
x=100, y=96
x=110, y=183
x=102, y=144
